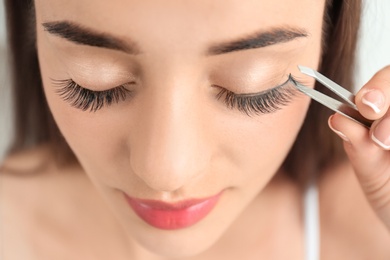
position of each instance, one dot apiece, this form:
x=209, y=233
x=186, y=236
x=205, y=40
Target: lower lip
x=172, y=216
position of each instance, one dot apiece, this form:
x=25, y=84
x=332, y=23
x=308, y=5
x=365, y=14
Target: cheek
x=99, y=136
x=91, y=136
x=258, y=147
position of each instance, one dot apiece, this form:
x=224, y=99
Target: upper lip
x=177, y=205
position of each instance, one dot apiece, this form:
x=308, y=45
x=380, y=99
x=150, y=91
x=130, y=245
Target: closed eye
x=86, y=99
x=262, y=102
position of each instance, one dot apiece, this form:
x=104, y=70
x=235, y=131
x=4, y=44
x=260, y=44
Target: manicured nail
x=339, y=133
x=374, y=99
x=381, y=134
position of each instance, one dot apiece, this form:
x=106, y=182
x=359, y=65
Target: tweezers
x=347, y=109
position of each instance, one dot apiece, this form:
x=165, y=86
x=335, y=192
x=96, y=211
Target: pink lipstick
x=170, y=216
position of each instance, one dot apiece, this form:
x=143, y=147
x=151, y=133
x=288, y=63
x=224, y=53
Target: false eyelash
x=263, y=102
x=86, y=99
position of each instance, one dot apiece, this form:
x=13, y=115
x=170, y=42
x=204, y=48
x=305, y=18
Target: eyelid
x=99, y=70
x=262, y=102
x=290, y=79
x=62, y=82
x=86, y=99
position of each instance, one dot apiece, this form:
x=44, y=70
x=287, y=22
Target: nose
x=169, y=146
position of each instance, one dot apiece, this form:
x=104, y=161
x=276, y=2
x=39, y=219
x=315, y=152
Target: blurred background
x=5, y=110
x=373, y=54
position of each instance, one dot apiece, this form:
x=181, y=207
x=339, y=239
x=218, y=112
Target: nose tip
x=168, y=154
x=170, y=166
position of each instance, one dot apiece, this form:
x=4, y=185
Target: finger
x=380, y=131
x=373, y=99
x=369, y=160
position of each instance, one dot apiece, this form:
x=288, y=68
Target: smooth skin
x=174, y=140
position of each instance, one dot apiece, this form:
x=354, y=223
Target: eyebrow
x=85, y=36
x=259, y=40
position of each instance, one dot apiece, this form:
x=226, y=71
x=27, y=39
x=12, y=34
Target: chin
x=178, y=244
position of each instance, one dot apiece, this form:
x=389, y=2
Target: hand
x=369, y=149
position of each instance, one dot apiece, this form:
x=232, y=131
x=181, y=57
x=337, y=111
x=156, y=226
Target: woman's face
x=165, y=134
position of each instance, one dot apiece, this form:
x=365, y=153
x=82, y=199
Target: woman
x=181, y=135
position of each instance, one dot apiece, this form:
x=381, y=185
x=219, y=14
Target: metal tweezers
x=347, y=109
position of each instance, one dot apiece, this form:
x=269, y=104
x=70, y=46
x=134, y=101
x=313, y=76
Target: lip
x=171, y=216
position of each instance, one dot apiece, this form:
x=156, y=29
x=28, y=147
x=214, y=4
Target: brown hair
x=315, y=147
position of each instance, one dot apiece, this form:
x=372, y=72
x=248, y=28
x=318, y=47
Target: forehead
x=179, y=22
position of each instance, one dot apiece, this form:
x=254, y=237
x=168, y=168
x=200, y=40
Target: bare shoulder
x=21, y=177
x=33, y=193
x=18, y=173
x=31, y=174
x=349, y=227
x=31, y=160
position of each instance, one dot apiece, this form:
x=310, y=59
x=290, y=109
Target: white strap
x=311, y=222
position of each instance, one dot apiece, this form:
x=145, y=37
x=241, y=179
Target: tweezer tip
x=306, y=70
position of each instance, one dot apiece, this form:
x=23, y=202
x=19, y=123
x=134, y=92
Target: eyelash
x=86, y=99
x=251, y=104
x=260, y=103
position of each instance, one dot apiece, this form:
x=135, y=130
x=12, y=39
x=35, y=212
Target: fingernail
x=381, y=134
x=374, y=99
x=342, y=136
